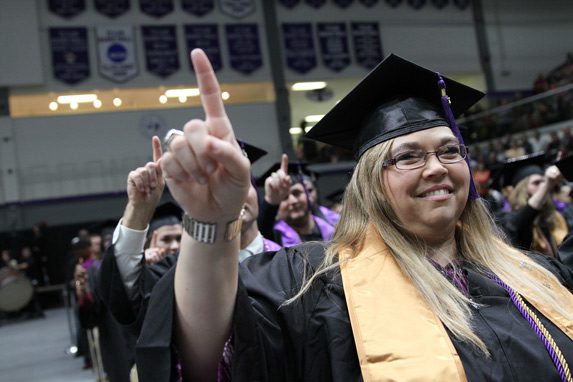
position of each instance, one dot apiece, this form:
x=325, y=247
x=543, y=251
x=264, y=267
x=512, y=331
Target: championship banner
x=156, y=8
x=289, y=3
x=161, y=55
x=333, y=45
x=70, y=55
x=369, y=3
x=67, y=8
x=237, y=8
x=416, y=4
x=343, y=3
x=198, y=8
x=206, y=37
x=299, y=47
x=244, y=47
x=116, y=53
x=112, y=8
x=315, y=3
x=367, y=44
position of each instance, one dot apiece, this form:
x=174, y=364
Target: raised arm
x=209, y=177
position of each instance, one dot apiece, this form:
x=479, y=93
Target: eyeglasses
x=413, y=159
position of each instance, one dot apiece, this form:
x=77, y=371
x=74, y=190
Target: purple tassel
x=473, y=195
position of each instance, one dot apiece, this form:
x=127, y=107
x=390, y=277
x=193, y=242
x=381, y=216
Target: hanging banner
x=416, y=4
x=156, y=8
x=198, y=8
x=244, y=47
x=462, y=4
x=289, y=3
x=70, y=54
x=333, y=45
x=343, y=3
x=116, y=53
x=112, y=8
x=367, y=44
x=237, y=8
x=160, y=43
x=369, y=3
x=393, y=3
x=67, y=8
x=299, y=47
x=315, y=3
x=440, y=3
x=206, y=37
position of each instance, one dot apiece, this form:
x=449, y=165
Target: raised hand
x=145, y=186
x=277, y=186
x=205, y=169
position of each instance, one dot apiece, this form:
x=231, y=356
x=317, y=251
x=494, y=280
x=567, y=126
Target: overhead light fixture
x=225, y=95
x=163, y=99
x=307, y=129
x=77, y=98
x=305, y=86
x=53, y=106
x=117, y=102
x=176, y=93
x=74, y=105
x=97, y=103
x=313, y=118
x=295, y=130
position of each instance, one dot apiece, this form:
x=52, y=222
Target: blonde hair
x=518, y=199
x=478, y=241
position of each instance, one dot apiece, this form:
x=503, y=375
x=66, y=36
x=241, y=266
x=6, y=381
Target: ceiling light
x=304, y=86
x=117, y=102
x=313, y=118
x=225, y=95
x=97, y=103
x=182, y=99
x=295, y=131
x=53, y=106
x=176, y=93
x=77, y=98
x=74, y=105
x=163, y=98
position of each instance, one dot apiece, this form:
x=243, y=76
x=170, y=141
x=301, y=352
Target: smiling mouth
x=442, y=191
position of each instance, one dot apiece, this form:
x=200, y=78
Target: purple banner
x=237, y=8
x=198, y=8
x=333, y=45
x=112, y=8
x=206, y=37
x=299, y=47
x=244, y=47
x=70, y=54
x=343, y=3
x=289, y=3
x=416, y=4
x=367, y=44
x=156, y=8
x=160, y=43
x=440, y=3
x=315, y=3
x=67, y=8
x=393, y=3
x=369, y=3
x=462, y=4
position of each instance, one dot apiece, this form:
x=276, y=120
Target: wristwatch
x=207, y=232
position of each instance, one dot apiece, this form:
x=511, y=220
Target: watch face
x=152, y=124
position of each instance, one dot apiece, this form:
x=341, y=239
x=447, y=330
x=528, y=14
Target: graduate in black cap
x=534, y=222
x=416, y=284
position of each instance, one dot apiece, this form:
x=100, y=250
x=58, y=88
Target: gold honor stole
x=397, y=336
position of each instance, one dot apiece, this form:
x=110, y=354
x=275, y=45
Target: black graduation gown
x=311, y=340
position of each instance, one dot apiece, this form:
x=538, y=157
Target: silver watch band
x=200, y=231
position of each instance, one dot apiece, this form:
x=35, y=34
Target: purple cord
x=532, y=323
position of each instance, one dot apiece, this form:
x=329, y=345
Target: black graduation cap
x=565, y=165
x=335, y=196
x=396, y=98
x=167, y=213
x=294, y=169
x=517, y=169
x=252, y=152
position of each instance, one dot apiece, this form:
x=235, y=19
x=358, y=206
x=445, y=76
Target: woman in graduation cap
x=417, y=284
x=534, y=222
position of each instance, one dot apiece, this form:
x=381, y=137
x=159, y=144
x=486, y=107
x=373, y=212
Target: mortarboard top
x=294, y=168
x=565, y=165
x=252, y=152
x=517, y=169
x=396, y=98
x=167, y=213
x=335, y=196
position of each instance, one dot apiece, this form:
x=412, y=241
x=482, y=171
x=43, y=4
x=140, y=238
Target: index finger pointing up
x=284, y=163
x=208, y=85
x=156, y=147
